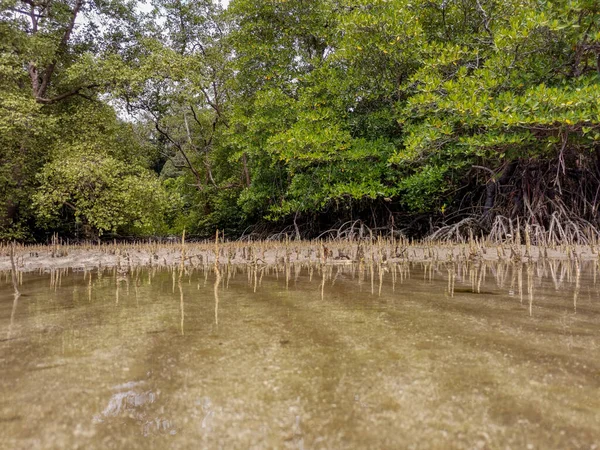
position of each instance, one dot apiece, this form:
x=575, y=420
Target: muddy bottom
x=418, y=356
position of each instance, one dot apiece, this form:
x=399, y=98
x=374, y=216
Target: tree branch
x=49, y=71
x=486, y=20
x=58, y=98
x=185, y=157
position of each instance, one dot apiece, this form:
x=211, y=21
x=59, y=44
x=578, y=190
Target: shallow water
x=420, y=356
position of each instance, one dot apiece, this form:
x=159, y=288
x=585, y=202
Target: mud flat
x=86, y=257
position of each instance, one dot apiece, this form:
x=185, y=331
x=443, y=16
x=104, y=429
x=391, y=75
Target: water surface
x=419, y=356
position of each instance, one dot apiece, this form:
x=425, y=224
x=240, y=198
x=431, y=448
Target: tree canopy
x=117, y=117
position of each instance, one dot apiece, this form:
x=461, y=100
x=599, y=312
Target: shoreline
x=89, y=257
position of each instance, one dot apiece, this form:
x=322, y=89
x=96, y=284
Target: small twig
x=486, y=20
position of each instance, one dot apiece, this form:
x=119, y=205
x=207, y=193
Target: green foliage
x=56, y=60
x=421, y=190
x=272, y=109
x=102, y=193
x=523, y=85
x=316, y=126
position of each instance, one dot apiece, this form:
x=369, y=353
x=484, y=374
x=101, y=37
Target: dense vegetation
x=119, y=117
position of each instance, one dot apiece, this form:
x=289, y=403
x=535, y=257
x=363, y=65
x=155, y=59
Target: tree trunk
x=246, y=171
x=492, y=187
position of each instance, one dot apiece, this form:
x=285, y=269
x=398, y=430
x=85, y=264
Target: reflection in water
x=323, y=283
x=216, y=292
x=89, y=274
x=16, y=296
x=13, y=272
x=530, y=287
x=577, y=281
x=181, y=306
x=443, y=354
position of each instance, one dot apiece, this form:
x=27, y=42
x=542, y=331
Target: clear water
x=420, y=356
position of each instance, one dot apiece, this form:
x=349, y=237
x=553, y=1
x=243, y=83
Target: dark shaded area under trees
x=301, y=118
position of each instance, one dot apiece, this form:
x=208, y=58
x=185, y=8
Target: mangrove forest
x=299, y=118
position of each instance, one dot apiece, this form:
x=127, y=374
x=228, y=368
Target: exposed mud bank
x=87, y=257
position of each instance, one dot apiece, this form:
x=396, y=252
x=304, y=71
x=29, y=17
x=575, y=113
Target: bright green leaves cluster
x=521, y=77
x=103, y=193
x=97, y=174
x=503, y=93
